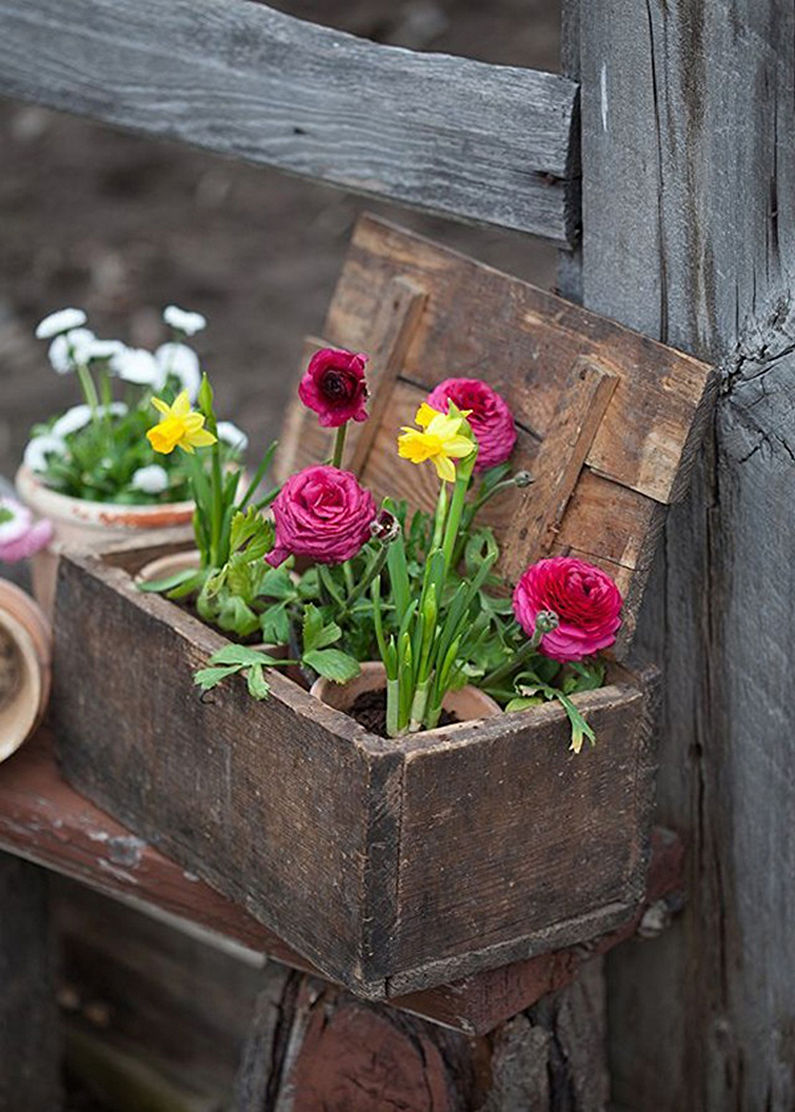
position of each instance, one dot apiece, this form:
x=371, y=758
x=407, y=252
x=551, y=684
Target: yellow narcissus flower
x=442, y=440
x=179, y=427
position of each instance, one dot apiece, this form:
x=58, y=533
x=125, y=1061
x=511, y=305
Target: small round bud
x=523, y=479
x=546, y=621
x=385, y=527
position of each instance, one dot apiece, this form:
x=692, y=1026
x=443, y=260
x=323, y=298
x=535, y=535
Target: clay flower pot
x=83, y=526
x=467, y=704
x=25, y=656
x=170, y=564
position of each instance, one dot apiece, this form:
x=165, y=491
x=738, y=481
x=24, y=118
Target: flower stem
x=89, y=389
x=339, y=445
x=463, y=475
x=543, y=625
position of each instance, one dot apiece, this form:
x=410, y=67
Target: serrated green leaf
x=208, y=678
x=241, y=656
x=276, y=583
x=524, y=703
x=258, y=686
x=332, y=664
x=275, y=624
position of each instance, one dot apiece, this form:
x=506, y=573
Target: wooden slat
x=540, y=507
x=44, y=819
x=450, y=135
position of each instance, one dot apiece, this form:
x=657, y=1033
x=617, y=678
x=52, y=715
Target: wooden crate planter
x=394, y=865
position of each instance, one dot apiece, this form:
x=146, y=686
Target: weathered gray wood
x=451, y=135
x=29, y=1042
x=689, y=179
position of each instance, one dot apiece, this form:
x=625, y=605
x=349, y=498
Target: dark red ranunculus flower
x=334, y=386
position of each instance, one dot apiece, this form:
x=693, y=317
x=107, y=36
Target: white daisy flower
x=62, y=321
x=115, y=409
x=232, y=435
x=152, y=479
x=15, y=519
x=182, y=362
x=105, y=349
x=183, y=321
x=39, y=448
x=75, y=418
x=139, y=366
x=71, y=348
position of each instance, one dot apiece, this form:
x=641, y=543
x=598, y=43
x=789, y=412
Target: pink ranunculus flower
x=491, y=420
x=585, y=599
x=334, y=386
x=20, y=536
x=323, y=513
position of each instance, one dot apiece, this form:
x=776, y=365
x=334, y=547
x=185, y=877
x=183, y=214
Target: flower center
x=335, y=385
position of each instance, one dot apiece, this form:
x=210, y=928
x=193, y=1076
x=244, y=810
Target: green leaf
x=523, y=702
x=276, y=583
x=207, y=678
x=316, y=634
x=332, y=664
x=206, y=397
x=176, y=579
x=241, y=656
x=258, y=686
x=275, y=624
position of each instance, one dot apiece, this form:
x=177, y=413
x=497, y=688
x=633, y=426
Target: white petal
x=71, y=348
x=182, y=362
x=104, y=349
x=139, y=366
x=17, y=524
x=39, y=448
x=232, y=435
x=184, y=321
x=75, y=418
x=59, y=322
x=59, y=357
x=152, y=479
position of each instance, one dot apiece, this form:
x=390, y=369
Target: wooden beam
x=473, y=141
x=689, y=236
x=44, y=819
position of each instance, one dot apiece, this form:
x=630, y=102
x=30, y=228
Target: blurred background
x=120, y=226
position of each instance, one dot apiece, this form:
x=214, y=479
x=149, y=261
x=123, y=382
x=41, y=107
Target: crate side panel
x=268, y=807
x=513, y=836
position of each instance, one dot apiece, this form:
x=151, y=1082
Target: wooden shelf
x=44, y=820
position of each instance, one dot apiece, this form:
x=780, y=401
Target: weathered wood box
x=397, y=865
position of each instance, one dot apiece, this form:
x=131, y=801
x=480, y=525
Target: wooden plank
x=540, y=507
x=45, y=820
x=29, y=1037
x=449, y=135
x=689, y=175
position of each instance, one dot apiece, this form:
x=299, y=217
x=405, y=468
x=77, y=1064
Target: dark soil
x=369, y=710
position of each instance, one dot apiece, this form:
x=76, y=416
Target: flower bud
x=546, y=621
x=523, y=479
x=385, y=528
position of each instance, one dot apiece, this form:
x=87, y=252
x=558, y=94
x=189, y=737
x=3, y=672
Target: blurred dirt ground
x=120, y=225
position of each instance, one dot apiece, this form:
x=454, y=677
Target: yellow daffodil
x=179, y=427
x=441, y=440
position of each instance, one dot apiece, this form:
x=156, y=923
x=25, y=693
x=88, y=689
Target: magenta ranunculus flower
x=491, y=420
x=322, y=513
x=585, y=599
x=334, y=386
x=20, y=536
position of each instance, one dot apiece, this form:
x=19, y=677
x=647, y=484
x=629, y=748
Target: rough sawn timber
x=689, y=218
x=451, y=135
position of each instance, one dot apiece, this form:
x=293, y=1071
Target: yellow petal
x=193, y=421
x=201, y=438
x=459, y=446
x=445, y=468
x=186, y=447
x=181, y=406
x=425, y=414
x=161, y=406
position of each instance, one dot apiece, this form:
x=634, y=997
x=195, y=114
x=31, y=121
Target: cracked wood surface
x=689, y=180
x=446, y=134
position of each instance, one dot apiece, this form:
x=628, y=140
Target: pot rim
x=65, y=507
x=34, y=692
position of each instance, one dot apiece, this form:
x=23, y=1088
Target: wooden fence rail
x=478, y=142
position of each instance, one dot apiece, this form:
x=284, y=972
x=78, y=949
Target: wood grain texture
x=597, y=493
x=689, y=235
x=46, y=821
x=451, y=135
x=29, y=1036
x=289, y=804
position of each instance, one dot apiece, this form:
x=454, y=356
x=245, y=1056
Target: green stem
x=89, y=389
x=364, y=584
x=218, y=557
x=513, y=662
x=463, y=475
x=439, y=518
x=339, y=445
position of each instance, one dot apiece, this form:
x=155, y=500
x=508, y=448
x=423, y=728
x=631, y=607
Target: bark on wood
x=451, y=135
x=29, y=1039
x=689, y=172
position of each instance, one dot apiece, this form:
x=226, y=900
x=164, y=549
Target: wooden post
x=29, y=1045
x=313, y=1046
x=688, y=163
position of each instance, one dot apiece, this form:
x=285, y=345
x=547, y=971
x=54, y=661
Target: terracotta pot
x=468, y=703
x=25, y=659
x=83, y=526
